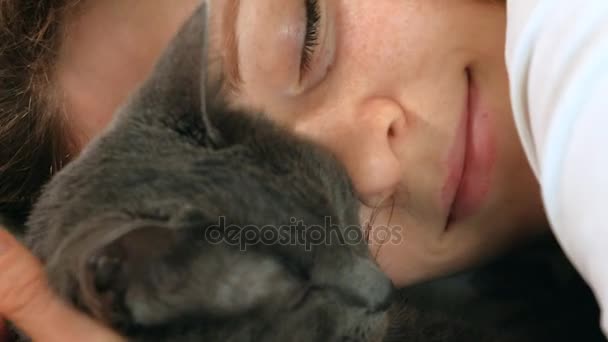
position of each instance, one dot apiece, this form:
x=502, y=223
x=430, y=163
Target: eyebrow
x=230, y=46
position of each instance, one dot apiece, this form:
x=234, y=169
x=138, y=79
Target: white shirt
x=557, y=59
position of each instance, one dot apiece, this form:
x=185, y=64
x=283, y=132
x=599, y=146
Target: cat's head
x=187, y=220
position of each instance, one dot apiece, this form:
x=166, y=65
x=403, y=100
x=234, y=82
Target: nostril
x=397, y=128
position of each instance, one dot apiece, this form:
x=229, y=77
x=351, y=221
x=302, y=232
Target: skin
x=387, y=92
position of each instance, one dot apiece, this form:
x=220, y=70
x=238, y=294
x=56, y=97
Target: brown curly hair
x=32, y=141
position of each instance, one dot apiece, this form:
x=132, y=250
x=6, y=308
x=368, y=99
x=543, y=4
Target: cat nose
x=361, y=284
x=370, y=287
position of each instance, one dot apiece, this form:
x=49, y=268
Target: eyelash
x=311, y=40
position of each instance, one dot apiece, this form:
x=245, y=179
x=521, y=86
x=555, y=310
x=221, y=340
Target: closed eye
x=311, y=39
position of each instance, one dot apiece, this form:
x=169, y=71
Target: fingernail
x=5, y=240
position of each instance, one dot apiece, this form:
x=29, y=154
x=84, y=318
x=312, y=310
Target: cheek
x=401, y=39
x=515, y=189
x=371, y=35
x=407, y=51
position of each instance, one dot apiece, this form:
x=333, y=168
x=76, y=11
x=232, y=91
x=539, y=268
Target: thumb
x=27, y=301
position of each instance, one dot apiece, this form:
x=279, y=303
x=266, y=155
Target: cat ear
x=174, y=95
x=207, y=90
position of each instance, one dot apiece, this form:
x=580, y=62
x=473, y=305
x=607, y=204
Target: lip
x=470, y=161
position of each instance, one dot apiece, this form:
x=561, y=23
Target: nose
x=360, y=283
x=364, y=139
x=369, y=286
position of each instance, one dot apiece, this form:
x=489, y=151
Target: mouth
x=470, y=161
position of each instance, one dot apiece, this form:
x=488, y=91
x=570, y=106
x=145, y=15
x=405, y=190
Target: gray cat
x=188, y=221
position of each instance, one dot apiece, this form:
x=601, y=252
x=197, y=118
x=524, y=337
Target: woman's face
x=412, y=96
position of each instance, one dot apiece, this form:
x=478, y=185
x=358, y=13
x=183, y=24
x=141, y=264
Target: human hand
x=27, y=301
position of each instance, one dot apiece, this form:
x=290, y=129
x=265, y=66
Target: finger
x=27, y=301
